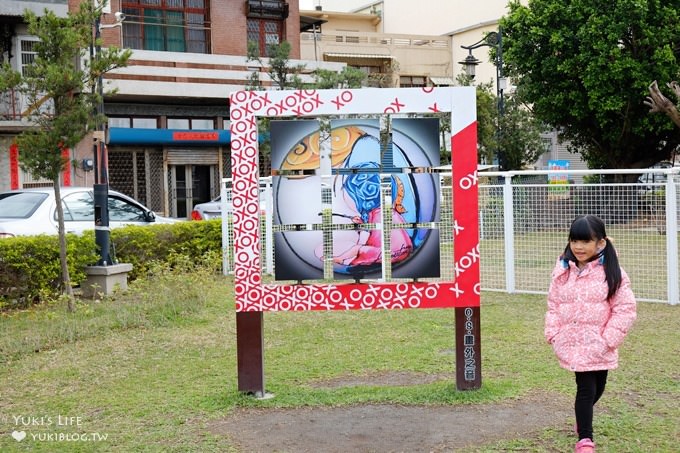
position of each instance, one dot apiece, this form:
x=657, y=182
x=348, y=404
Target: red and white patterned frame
x=250, y=292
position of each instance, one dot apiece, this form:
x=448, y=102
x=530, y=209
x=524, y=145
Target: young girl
x=590, y=309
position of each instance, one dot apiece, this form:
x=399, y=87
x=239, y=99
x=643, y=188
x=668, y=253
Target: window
x=178, y=123
x=412, y=81
x=191, y=123
x=119, y=122
x=121, y=211
x=134, y=122
x=202, y=123
x=20, y=205
x=27, y=53
x=265, y=33
x=78, y=207
x=144, y=123
x=167, y=25
x=265, y=22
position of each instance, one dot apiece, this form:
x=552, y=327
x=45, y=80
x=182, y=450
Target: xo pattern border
x=251, y=294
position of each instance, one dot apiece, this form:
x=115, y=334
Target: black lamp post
x=495, y=40
x=102, y=231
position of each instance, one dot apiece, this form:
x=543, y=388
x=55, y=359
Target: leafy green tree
x=283, y=74
x=61, y=97
x=349, y=77
x=584, y=66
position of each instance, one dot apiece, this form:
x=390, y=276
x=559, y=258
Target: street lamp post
x=495, y=40
x=102, y=230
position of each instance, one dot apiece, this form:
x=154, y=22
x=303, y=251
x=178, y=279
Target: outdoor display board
x=297, y=201
x=360, y=251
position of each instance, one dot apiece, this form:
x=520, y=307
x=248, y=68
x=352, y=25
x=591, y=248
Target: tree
x=61, y=97
x=349, y=77
x=281, y=72
x=584, y=67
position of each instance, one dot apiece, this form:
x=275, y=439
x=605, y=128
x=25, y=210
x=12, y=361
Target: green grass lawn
x=150, y=369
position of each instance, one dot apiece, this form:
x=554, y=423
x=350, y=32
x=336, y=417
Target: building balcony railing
x=421, y=55
x=167, y=75
x=16, y=108
x=380, y=39
x=11, y=105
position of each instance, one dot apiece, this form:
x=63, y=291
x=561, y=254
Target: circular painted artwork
x=365, y=180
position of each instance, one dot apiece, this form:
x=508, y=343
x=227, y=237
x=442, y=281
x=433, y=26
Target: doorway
x=190, y=185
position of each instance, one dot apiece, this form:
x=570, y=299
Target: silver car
x=28, y=212
x=213, y=209
x=209, y=210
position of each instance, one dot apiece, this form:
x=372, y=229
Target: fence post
x=509, y=237
x=268, y=229
x=672, y=240
x=226, y=238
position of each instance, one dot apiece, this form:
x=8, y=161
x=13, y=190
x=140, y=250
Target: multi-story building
x=389, y=59
x=168, y=132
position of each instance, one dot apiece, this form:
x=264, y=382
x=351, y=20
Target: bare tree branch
x=657, y=102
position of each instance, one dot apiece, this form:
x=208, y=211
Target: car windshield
x=20, y=205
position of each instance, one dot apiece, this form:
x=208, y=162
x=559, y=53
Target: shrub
x=143, y=245
x=30, y=271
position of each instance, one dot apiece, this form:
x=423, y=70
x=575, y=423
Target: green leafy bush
x=30, y=270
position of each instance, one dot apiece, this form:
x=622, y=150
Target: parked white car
x=28, y=212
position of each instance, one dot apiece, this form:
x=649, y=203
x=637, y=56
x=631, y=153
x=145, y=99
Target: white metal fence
x=524, y=222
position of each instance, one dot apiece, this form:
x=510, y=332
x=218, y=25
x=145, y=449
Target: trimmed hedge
x=30, y=271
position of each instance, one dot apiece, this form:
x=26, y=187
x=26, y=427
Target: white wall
x=438, y=17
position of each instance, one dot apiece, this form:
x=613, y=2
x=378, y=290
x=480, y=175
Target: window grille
x=265, y=33
x=27, y=53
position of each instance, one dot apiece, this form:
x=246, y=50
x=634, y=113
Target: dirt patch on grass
x=391, y=428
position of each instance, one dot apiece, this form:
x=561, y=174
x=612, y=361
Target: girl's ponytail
x=612, y=269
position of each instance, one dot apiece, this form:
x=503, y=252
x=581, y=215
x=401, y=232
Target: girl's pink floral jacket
x=584, y=328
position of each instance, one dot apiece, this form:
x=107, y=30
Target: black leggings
x=589, y=388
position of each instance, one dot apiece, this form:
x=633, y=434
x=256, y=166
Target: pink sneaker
x=584, y=446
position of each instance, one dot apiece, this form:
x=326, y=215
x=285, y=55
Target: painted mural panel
x=297, y=200
x=295, y=145
x=294, y=259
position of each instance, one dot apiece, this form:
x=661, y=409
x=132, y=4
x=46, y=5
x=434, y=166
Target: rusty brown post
x=250, y=352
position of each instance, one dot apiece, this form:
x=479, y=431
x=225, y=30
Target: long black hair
x=590, y=227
